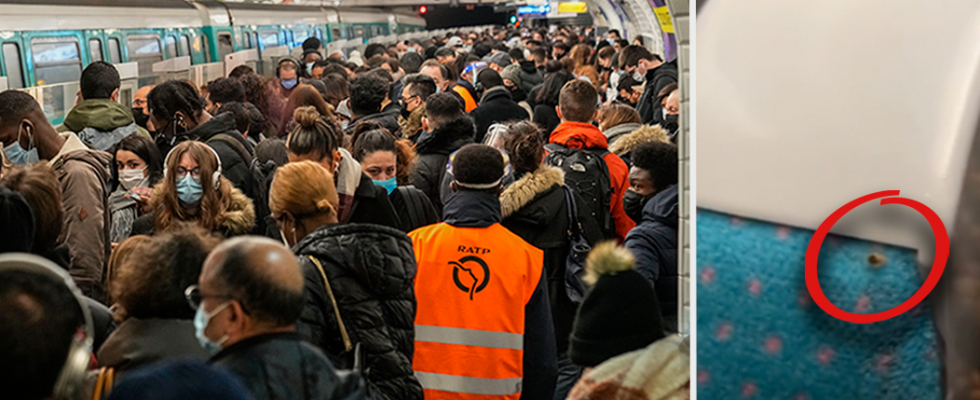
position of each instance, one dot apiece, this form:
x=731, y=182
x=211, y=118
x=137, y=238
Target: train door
x=12, y=62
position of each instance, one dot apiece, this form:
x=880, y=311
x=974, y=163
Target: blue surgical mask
x=611, y=41
x=201, y=320
x=309, y=68
x=411, y=49
x=189, y=190
x=17, y=155
x=637, y=76
x=389, y=184
x=288, y=83
x=343, y=124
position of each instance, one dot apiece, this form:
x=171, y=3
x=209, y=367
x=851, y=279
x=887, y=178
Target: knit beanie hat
x=17, y=229
x=512, y=72
x=619, y=314
x=179, y=380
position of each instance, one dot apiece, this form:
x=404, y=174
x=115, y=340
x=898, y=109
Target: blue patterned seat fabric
x=760, y=336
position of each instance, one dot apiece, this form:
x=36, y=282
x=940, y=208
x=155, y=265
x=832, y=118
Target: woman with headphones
x=192, y=189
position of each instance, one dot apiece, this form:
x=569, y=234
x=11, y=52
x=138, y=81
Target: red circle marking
x=938, y=262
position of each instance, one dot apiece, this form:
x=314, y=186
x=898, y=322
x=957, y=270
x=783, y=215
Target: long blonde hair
x=214, y=202
x=304, y=189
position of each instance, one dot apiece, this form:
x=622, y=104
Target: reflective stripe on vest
x=472, y=286
x=469, y=337
x=465, y=384
x=467, y=97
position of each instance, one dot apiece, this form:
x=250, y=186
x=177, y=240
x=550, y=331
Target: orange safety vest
x=471, y=289
x=467, y=97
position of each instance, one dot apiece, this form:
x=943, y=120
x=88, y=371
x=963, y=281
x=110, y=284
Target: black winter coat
x=497, y=105
x=372, y=206
x=388, y=120
x=235, y=160
x=281, y=366
x=547, y=118
x=530, y=76
x=654, y=244
x=433, y=155
x=657, y=79
x=534, y=208
x=371, y=271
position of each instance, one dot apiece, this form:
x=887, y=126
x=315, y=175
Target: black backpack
x=587, y=173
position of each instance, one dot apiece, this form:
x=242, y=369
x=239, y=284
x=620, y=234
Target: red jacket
x=575, y=135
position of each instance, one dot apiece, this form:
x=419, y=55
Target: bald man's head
x=261, y=274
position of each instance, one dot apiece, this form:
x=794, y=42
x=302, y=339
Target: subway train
x=46, y=42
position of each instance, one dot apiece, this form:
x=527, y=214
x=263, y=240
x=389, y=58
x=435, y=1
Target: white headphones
x=215, y=178
x=74, y=371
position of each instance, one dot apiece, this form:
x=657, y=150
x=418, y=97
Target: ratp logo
x=477, y=280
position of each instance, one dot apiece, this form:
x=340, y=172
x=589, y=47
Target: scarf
x=347, y=177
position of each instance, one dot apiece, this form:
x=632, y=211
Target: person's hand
x=141, y=195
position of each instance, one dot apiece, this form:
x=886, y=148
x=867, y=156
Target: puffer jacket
x=534, y=208
x=101, y=123
x=85, y=189
x=654, y=244
x=622, y=145
x=433, y=154
x=371, y=269
x=281, y=366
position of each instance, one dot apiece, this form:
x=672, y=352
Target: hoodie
x=84, y=177
x=580, y=135
x=101, y=123
x=654, y=244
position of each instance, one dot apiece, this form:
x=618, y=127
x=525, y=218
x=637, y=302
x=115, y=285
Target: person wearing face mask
x=316, y=138
x=387, y=161
x=628, y=95
x=27, y=137
x=288, y=75
x=358, y=281
x=512, y=80
x=646, y=66
x=670, y=101
x=249, y=299
x=180, y=113
x=193, y=190
x=418, y=88
x=137, y=166
x=155, y=323
x=652, y=203
x=496, y=104
x=310, y=57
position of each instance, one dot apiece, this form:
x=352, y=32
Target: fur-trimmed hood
x=448, y=138
x=238, y=219
x=523, y=190
x=646, y=133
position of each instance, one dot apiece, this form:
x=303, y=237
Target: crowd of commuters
x=413, y=223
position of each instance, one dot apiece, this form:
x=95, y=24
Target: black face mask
x=670, y=122
x=141, y=119
x=633, y=204
x=404, y=113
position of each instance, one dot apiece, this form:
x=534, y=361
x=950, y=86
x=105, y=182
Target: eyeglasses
x=406, y=99
x=182, y=172
x=195, y=297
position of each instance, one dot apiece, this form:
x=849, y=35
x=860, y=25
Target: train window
x=171, y=46
x=206, y=47
x=145, y=50
x=269, y=38
x=185, y=45
x=300, y=35
x=248, y=41
x=225, y=47
x=11, y=62
x=95, y=49
x=318, y=33
x=56, y=60
x=115, y=56
x=336, y=33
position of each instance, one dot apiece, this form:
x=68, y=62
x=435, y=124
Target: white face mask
x=130, y=178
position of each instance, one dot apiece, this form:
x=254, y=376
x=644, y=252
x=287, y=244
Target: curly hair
x=151, y=282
